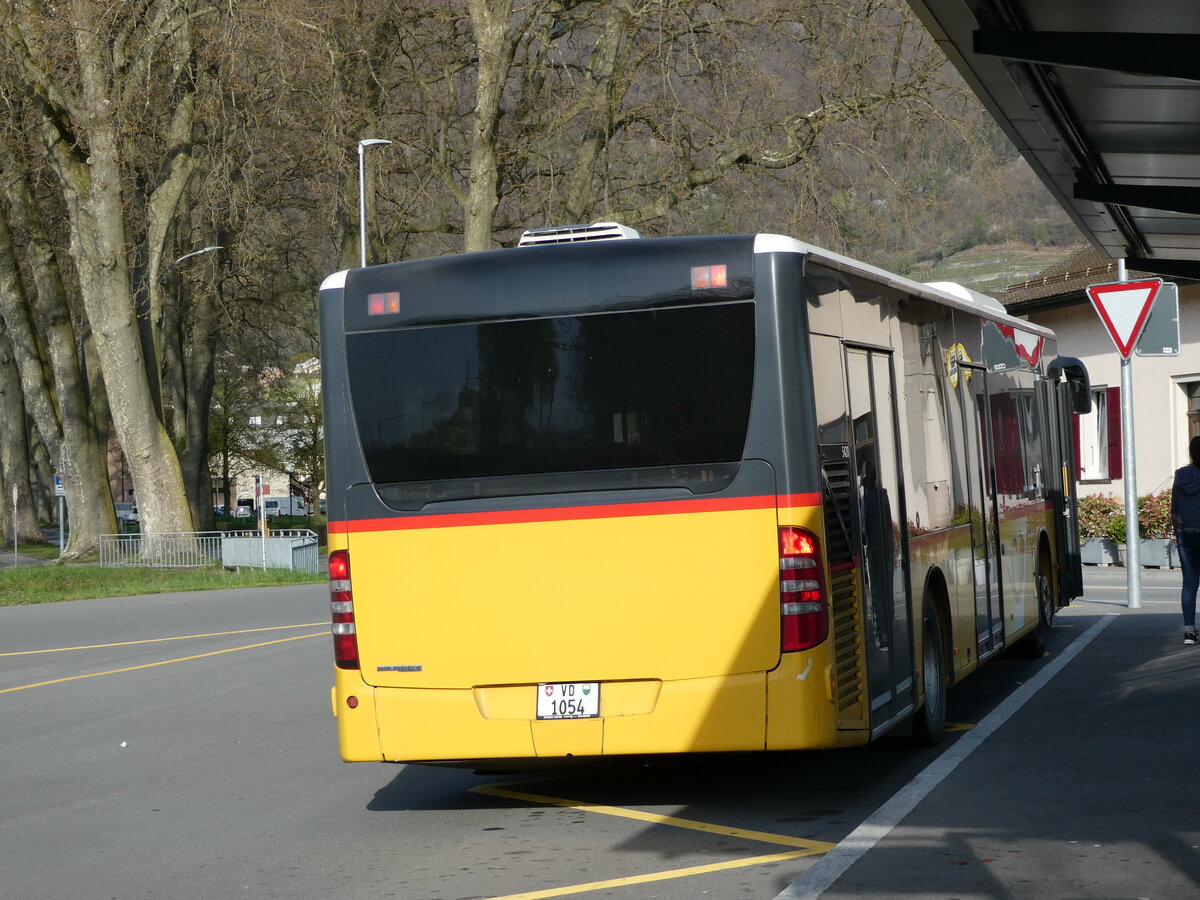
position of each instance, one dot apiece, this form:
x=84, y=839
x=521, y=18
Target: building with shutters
x=1166, y=388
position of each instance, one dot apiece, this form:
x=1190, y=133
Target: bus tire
x=929, y=725
x=1033, y=645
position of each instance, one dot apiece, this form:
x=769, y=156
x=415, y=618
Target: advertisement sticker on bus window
x=568, y=700
x=955, y=355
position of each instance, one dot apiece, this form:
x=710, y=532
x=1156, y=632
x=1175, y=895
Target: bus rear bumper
x=724, y=713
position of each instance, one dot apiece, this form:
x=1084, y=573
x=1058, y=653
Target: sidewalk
x=7, y=559
x=1087, y=790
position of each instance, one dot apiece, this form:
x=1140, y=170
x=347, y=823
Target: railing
x=284, y=549
x=287, y=548
x=178, y=550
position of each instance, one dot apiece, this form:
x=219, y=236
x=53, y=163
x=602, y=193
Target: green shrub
x=1096, y=512
x=1154, y=515
x=1115, y=531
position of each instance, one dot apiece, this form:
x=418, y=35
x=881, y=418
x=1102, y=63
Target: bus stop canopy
x=1102, y=97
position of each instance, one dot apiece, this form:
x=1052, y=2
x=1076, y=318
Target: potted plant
x=1157, y=533
x=1096, y=514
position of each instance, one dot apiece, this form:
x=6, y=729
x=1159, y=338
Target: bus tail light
x=341, y=602
x=804, y=613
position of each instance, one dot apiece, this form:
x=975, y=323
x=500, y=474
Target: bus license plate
x=569, y=700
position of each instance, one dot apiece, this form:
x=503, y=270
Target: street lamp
x=362, y=198
x=198, y=252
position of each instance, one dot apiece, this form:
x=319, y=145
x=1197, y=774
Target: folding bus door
x=882, y=541
x=983, y=511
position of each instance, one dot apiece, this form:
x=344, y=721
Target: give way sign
x=1123, y=307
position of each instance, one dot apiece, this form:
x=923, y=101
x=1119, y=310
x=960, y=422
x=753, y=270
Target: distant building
x=1166, y=389
x=274, y=482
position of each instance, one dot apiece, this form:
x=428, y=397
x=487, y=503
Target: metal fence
x=283, y=549
x=287, y=548
x=178, y=550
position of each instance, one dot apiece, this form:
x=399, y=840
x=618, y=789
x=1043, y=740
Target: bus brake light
x=804, y=612
x=341, y=603
x=709, y=277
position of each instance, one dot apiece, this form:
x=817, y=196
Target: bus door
x=882, y=542
x=982, y=512
x=1061, y=488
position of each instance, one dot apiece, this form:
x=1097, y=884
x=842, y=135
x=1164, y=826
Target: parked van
x=285, y=506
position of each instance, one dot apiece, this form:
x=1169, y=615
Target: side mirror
x=1079, y=386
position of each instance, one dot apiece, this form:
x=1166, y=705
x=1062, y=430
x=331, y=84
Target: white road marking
x=830, y=867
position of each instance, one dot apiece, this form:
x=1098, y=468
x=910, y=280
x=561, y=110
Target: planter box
x=1153, y=553
x=1159, y=553
x=1099, y=552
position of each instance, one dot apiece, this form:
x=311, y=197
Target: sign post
x=262, y=517
x=59, y=492
x=1124, y=307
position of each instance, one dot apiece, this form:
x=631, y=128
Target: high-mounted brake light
x=709, y=277
x=383, y=304
x=803, y=610
x=341, y=604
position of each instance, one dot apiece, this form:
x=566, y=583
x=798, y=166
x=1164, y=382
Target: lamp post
x=198, y=252
x=362, y=198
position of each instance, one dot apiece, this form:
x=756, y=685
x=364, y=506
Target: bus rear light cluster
x=804, y=612
x=341, y=603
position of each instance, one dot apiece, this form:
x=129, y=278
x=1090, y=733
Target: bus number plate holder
x=568, y=700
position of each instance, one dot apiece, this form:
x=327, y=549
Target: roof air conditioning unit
x=571, y=234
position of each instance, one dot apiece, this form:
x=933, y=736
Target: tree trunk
x=14, y=453
x=201, y=378
x=495, y=48
x=100, y=248
x=74, y=446
x=83, y=141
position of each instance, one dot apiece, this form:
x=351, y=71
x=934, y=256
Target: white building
x=1166, y=390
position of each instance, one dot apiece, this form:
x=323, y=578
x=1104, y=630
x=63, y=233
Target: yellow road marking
x=809, y=848
x=657, y=819
x=959, y=726
x=182, y=637
x=165, y=662
x=657, y=876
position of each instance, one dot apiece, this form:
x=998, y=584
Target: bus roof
x=947, y=293
x=944, y=292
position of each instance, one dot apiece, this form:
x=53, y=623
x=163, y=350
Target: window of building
x=1098, y=437
x=1192, y=390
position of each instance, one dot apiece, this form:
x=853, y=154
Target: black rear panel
x=648, y=398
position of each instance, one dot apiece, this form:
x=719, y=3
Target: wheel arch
x=936, y=592
x=1053, y=569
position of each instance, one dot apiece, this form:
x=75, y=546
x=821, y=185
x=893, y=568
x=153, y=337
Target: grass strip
x=53, y=583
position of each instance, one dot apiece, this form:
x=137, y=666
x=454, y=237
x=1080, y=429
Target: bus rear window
x=632, y=399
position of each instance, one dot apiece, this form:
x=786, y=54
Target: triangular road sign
x=1123, y=307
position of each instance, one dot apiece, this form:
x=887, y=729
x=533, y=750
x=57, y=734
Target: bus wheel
x=1034, y=646
x=930, y=722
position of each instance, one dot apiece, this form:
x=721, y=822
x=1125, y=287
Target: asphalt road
x=181, y=746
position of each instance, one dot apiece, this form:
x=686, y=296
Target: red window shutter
x=1075, y=455
x=1114, y=432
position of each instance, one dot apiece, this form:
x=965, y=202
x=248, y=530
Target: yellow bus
x=599, y=495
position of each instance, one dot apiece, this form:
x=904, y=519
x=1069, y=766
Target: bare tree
x=37, y=317
x=85, y=67
x=15, y=464
x=561, y=110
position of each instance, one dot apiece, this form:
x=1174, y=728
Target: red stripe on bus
x=567, y=513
